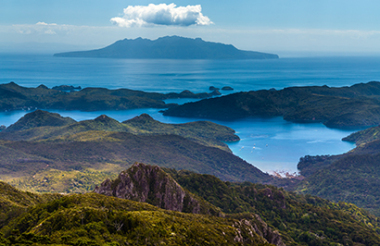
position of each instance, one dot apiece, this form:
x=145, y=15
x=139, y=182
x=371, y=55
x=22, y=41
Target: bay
x=270, y=144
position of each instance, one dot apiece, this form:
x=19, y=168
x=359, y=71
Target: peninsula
x=169, y=47
x=15, y=97
x=340, y=107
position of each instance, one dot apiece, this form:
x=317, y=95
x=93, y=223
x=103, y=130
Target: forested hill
x=173, y=47
x=340, y=107
x=213, y=213
x=351, y=177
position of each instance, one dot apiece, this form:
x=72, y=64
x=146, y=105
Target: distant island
x=169, y=47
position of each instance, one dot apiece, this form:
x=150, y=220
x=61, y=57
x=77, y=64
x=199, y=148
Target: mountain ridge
x=169, y=47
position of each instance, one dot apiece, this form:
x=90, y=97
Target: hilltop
x=39, y=118
x=169, y=47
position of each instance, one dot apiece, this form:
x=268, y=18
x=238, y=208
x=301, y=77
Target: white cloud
x=162, y=14
x=45, y=24
x=40, y=28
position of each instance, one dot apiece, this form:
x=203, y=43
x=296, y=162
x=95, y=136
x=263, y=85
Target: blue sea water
x=270, y=144
x=178, y=75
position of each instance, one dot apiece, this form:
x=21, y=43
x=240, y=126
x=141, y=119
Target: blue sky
x=285, y=27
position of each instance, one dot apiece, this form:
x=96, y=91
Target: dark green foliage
x=310, y=164
x=14, y=202
x=354, y=179
x=351, y=177
x=93, y=219
x=304, y=220
x=353, y=106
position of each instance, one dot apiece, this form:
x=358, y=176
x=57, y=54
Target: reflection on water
x=270, y=144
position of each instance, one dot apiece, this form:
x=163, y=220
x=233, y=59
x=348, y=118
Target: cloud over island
x=162, y=15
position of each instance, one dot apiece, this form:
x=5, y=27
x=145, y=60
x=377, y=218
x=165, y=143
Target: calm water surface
x=270, y=144
x=194, y=75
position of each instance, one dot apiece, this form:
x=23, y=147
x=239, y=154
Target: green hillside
x=364, y=136
x=14, y=202
x=39, y=118
x=93, y=219
x=352, y=177
x=254, y=215
x=74, y=157
x=43, y=125
x=301, y=220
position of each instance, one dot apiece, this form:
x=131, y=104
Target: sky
x=284, y=27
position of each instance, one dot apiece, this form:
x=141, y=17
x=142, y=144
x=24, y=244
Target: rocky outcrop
x=257, y=228
x=145, y=183
x=262, y=229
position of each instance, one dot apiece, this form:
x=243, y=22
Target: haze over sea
x=269, y=144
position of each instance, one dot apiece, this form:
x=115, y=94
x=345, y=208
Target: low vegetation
x=92, y=219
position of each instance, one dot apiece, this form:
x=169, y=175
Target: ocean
x=270, y=144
